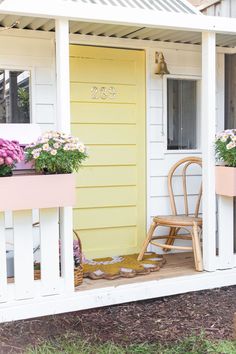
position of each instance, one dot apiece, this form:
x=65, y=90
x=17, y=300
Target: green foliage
x=225, y=147
x=56, y=152
x=5, y=170
x=71, y=344
x=23, y=99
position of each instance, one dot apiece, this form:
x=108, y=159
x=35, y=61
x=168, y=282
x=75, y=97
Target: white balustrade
x=226, y=257
x=3, y=265
x=53, y=280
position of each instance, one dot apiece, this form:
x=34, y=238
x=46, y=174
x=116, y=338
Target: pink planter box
x=22, y=192
x=226, y=181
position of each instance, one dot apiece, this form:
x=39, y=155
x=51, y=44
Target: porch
x=55, y=293
x=180, y=280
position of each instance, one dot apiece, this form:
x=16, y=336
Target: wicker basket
x=78, y=271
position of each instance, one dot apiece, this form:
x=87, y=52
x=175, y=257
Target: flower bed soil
x=163, y=320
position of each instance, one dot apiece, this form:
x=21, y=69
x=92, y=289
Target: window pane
x=181, y=114
x=14, y=96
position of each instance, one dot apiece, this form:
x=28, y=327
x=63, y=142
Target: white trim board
x=144, y=18
x=83, y=300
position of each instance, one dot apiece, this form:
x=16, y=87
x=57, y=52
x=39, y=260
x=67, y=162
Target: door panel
x=108, y=115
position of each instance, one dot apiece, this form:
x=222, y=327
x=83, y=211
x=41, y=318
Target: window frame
x=31, y=70
x=165, y=110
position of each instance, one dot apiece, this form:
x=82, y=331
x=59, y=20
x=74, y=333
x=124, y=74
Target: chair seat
x=177, y=220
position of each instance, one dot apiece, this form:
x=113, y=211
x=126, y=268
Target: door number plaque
x=103, y=93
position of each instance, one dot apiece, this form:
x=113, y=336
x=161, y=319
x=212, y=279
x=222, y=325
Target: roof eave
x=122, y=16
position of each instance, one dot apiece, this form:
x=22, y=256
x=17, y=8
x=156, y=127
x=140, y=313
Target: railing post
x=67, y=261
x=226, y=232
x=63, y=119
x=3, y=265
x=208, y=123
x=63, y=75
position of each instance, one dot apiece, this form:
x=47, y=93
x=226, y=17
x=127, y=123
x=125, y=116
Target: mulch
x=164, y=320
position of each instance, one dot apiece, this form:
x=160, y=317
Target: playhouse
x=90, y=68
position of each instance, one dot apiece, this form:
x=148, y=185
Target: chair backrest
x=184, y=164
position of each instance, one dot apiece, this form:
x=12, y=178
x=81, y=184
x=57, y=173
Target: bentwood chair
x=176, y=222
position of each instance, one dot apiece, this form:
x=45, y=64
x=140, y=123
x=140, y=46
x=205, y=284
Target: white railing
x=226, y=257
x=56, y=270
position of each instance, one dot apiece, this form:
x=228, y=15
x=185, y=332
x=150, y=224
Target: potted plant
x=55, y=156
x=10, y=154
x=225, y=147
x=56, y=153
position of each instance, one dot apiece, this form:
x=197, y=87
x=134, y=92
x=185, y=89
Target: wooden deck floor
x=176, y=265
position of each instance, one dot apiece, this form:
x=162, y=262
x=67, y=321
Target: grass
x=194, y=345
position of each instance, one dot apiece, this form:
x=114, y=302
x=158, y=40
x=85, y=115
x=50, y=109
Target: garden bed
x=164, y=320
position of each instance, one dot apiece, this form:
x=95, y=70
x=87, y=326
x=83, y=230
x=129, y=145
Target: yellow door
x=108, y=115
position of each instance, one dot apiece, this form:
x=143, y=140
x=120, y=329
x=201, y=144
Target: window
x=181, y=114
x=14, y=96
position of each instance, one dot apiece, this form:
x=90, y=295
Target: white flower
x=230, y=145
x=36, y=155
x=31, y=145
x=224, y=138
x=46, y=147
x=66, y=147
x=81, y=148
x=36, y=151
x=53, y=152
x=56, y=145
x=55, y=134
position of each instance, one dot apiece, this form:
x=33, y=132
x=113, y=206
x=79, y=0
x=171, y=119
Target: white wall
x=183, y=64
x=225, y=8
x=36, y=55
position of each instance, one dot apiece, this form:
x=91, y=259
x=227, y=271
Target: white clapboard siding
x=155, y=115
x=161, y=205
x=156, y=135
x=226, y=8
x=49, y=245
x=23, y=254
x=157, y=151
x=180, y=63
x=155, y=97
x=161, y=168
x=3, y=272
x=159, y=185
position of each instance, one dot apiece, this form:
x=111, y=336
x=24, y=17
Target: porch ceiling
x=113, y=31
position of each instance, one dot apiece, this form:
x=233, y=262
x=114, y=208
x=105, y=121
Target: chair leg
x=197, y=248
x=170, y=241
x=147, y=240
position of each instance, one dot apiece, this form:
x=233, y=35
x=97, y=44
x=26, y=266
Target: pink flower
x=1, y=161
x=8, y=161
x=10, y=152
